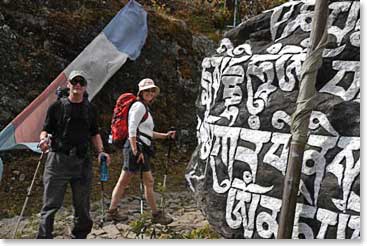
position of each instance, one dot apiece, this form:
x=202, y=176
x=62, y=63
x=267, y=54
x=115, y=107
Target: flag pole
x=301, y=118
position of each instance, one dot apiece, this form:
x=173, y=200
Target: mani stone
x=248, y=92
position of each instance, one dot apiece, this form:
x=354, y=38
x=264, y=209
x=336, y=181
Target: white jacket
x=136, y=114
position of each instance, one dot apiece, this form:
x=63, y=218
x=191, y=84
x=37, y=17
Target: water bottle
x=103, y=169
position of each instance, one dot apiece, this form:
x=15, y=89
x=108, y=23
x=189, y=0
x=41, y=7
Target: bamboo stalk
x=301, y=118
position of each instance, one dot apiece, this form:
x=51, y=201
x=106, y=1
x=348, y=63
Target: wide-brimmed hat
x=146, y=84
x=77, y=73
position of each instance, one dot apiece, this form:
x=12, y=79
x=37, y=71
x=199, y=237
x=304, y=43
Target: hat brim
x=157, y=90
x=75, y=74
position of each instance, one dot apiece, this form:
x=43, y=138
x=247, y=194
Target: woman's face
x=148, y=95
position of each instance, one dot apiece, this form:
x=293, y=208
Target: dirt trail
x=180, y=205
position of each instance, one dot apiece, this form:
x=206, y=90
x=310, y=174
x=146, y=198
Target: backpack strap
x=146, y=111
x=143, y=119
x=87, y=109
x=65, y=116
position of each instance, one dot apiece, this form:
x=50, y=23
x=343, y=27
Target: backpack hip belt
x=80, y=150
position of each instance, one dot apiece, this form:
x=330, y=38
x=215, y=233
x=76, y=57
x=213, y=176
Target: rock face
x=38, y=39
x=248, y=93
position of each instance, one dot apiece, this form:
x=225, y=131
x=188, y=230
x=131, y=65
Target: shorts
x=129, y=162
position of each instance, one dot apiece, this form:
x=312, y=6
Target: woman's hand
x=171, y=134
x=139, y=156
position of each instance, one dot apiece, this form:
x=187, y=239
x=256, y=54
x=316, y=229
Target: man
x=72, y=122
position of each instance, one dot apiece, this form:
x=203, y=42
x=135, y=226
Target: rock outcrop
x=38, y=39
x=248, y=93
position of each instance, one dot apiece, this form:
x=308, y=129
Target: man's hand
x=104, y=154
x=44, y=144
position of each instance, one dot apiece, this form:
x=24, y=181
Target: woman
x=137, y=153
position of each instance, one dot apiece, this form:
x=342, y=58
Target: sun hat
x=146, y=84
x=77, y=73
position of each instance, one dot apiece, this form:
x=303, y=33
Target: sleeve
x=136, y=114
x=94, y=123
x=50, y=124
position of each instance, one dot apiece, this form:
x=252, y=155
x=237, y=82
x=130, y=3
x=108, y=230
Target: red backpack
x=119, y=124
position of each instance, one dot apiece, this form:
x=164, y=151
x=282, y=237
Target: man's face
x=77, y=85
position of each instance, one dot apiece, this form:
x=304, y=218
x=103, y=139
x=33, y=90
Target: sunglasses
x=81, y=81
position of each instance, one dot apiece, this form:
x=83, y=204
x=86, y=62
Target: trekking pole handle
x=170, y=144
x=47, y=140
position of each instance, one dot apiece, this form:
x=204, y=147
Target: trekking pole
x=141, y=188
x=28, y=195
x=103, y=177
x=166, y=169
x=235, y=13
x=141, y=192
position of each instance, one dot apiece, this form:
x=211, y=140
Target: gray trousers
x=61, y=170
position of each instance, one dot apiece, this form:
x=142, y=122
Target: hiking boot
x=113, y=214
x=161, y=218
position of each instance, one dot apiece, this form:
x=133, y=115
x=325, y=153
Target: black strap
x=146, y=115
x=145, y=135
x=65, y=116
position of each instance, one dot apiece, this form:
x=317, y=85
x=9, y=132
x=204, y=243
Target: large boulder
x=247, y=96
